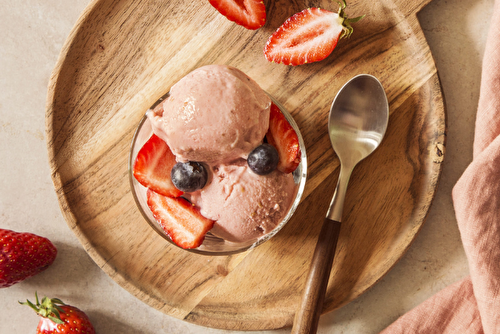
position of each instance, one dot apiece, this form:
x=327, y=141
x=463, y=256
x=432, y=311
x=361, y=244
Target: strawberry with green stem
x=309, y=36
x=59, y=318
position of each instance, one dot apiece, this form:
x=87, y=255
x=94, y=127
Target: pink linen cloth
x=473, y=304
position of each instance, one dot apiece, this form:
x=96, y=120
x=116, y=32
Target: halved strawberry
x=182, y=221
x=308, y=36
x=153, y=165
x=250, y=14
x=282, y=136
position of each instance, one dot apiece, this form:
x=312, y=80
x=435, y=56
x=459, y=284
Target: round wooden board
x=122, y=55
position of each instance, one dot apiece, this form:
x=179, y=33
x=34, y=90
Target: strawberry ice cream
x=232, y=154
x=215, y=114
x=245, y=205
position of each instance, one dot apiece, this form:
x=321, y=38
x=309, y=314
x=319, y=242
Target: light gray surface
x=33, y=33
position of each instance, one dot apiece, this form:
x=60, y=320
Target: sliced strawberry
x=282, y=136
x=153, y=165
x=250, y=14
x=308, y=36
x=182, y=221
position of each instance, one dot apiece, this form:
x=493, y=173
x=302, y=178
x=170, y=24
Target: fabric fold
x=473, y=304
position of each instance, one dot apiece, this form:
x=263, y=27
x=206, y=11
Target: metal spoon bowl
x=358, y=120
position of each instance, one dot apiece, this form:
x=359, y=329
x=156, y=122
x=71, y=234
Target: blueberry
x=263, y=159
x=189, y=176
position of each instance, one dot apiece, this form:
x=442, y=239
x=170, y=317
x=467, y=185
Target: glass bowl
x=212, y=245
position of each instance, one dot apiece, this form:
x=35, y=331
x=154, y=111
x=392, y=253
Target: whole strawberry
x=59, y=318
x=23, y=255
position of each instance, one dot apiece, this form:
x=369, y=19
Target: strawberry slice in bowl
x=153, y=166
x=183, y=222
x=283, y=137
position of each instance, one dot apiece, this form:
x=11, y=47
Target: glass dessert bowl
x=245, y=204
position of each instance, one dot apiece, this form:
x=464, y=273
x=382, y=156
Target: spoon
x=357, y=123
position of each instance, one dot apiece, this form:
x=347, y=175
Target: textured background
x=33, y=33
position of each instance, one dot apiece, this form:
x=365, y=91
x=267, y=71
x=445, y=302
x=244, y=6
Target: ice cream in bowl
x=217, y=166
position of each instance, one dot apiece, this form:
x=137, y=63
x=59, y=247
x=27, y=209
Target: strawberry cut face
x=153, y=165
x=250, y=14
x=282, y=136
x=306, y=37
x=309, y=36
x=182, y=221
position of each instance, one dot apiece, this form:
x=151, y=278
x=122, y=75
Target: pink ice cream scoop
x=245, y=205
x=215, y=114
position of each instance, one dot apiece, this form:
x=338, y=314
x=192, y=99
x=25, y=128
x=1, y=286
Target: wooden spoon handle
x=307, y=316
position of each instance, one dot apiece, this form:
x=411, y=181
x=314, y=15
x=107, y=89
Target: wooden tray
x=123, y=55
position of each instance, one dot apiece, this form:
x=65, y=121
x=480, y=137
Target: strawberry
x=250, y=14
x=23, y=255
x=182, y=221
x=59, y=318
x=308, y=36
x=153, y=165
x=282, y=136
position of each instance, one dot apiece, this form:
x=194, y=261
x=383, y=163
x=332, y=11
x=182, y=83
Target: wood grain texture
x=122, y=55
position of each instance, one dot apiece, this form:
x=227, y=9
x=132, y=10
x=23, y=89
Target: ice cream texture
x=217, y=115
x=245, y=205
